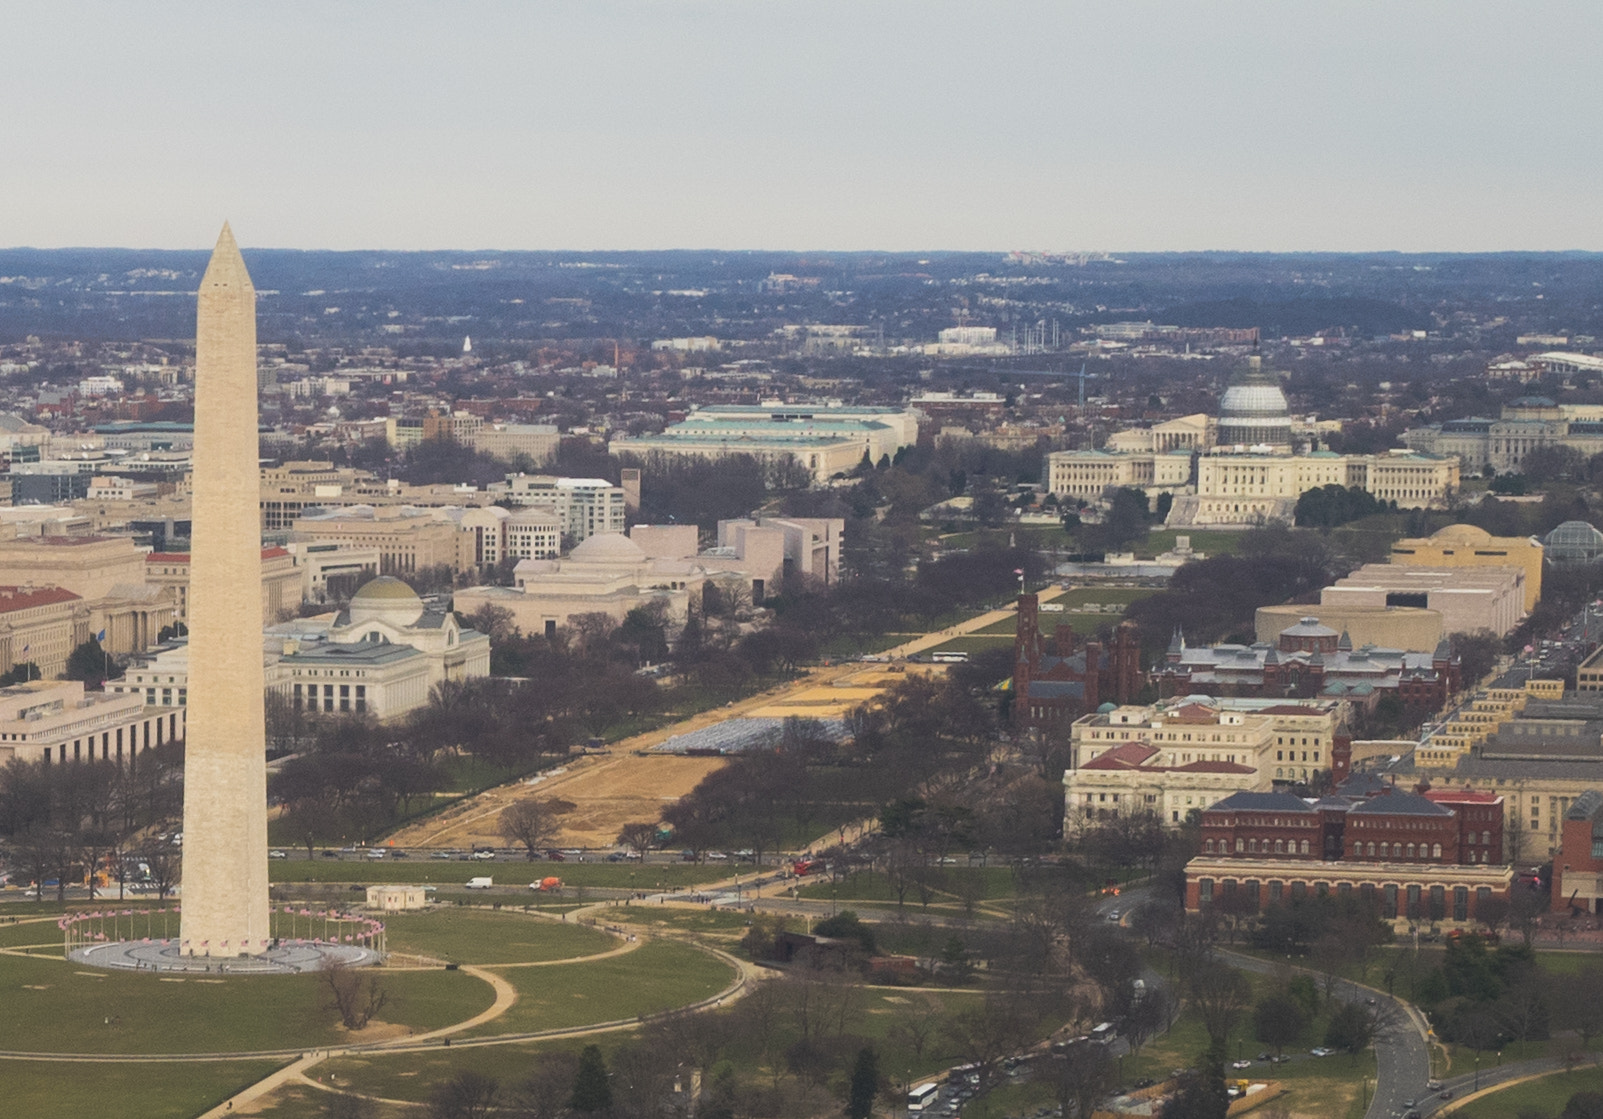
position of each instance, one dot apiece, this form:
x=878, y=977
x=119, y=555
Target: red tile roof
x=24, y=598
x=1126, y=755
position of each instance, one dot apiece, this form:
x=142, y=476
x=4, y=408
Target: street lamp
x=1477, y=1072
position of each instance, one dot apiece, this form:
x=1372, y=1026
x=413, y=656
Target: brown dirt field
x=612, y=790
x=607, y=792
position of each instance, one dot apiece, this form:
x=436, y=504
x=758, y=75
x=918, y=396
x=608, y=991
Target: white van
x=480, y=883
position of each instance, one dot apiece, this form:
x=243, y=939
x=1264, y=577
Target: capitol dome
x=608, y=547
x=1253, y=410
x=386, y=599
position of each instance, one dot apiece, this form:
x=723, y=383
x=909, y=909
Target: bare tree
x=1081, y=1076
x=1221, y=995
x=917, y=1023
x=356, y=995
x=533, y=822
x=467, y=1095
x=638, y=838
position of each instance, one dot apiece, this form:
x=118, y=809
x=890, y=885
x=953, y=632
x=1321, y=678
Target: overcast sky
x=864, y=124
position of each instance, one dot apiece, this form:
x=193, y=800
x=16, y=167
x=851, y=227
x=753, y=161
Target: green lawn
x=413, y=1075
x=1545, y=1096
x=48, y=1090
x=951, y=885
x=409, y=1077
x=509, y=872
x=973, y=643
x=32, y=932
x=55, y=1006
x=659, y=975
x=477, y=936
x=1208, y=542
x=715, y=922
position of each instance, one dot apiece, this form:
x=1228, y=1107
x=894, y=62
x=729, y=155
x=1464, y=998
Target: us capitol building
x=1244, y=466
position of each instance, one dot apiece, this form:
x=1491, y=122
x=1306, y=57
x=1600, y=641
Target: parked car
x=277, y=855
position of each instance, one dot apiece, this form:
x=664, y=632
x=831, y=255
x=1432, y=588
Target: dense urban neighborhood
x=757, y=684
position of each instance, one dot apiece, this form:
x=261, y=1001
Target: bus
x=949, y=658
x=923, y=1096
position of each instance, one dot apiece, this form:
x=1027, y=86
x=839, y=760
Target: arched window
x=1410, y=850
x=1486, y=839
x=1371, y=848
x=1252, y=846
x=1240, y=845
x=1207, y=846
x=1436, y=851
x=1280, y=846
x=1304, y=850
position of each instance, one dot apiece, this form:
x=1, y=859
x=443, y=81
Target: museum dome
x=608, y=547
x=1253, y=410
x=386, y=599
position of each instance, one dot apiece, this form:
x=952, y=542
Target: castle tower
x=225, y=910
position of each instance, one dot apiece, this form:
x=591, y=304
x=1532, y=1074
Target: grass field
x=659, y=975
x=476, y=936
x=32, y=932
x=1544, y=1096
x=410, y=1077
x=1208, y=542
x=974, y=643
x=952, y=885
x=506, y=872
x=48, y=1090
x=53, y=1006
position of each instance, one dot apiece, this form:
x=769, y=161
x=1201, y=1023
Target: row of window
x=1250, y=846
x=1416, y=903
x=309, y=700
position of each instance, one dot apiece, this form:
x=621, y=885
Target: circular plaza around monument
x=144, y=939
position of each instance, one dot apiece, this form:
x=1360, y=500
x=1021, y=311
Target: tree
x=592, y=1088
x=1350, y=1029
x=356, y=995
x=1580, y=1002
x=1583, y=1105
x=1220, y=994
x=1477, y=653
x=87, y=663
x=1081, y=1076
x=864, y=1085
x=638, y=837
x=467, y=1095
x=532, y=821
x=1278, y=1021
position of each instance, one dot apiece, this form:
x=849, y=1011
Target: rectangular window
x=1205, y=890
x=1388, y=905
x=1413, y=912
x=1460, y=903
x=1299, y=890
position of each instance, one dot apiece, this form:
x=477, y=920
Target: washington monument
x=225, y=910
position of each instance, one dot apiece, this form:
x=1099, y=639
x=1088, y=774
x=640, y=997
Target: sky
x=1127, y=125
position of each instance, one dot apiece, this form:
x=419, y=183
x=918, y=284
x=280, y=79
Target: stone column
x=225, y=909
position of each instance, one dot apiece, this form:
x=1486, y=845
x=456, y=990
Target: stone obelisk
x=225, y=911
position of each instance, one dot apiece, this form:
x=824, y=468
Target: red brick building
x=1259, y=824
x=1480, y=823
x=1058, y=679
x=1578, y=867
x=1399, y=849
